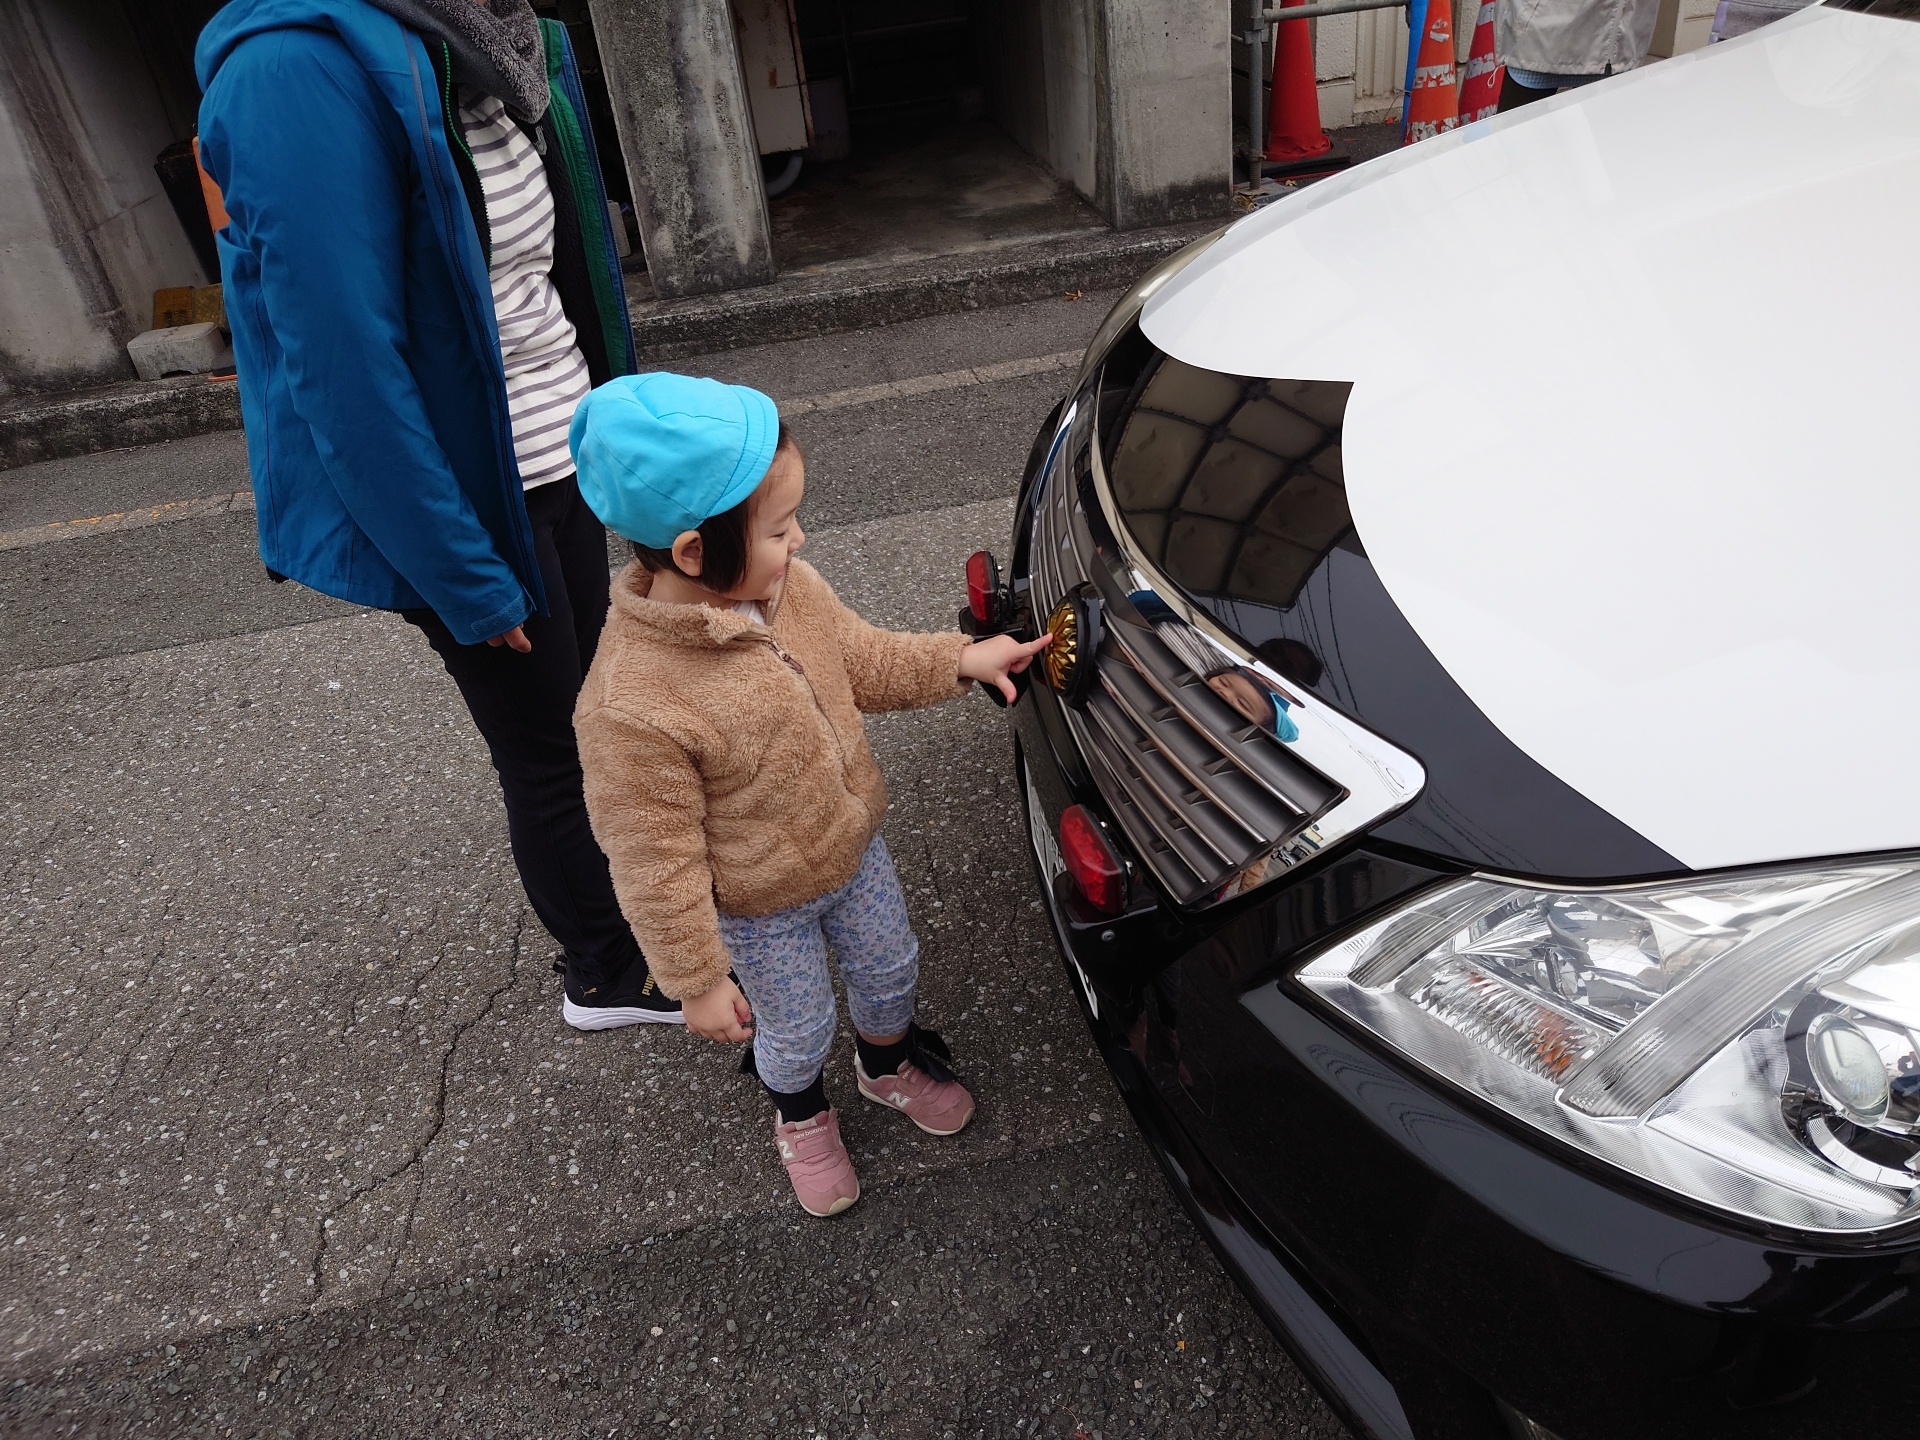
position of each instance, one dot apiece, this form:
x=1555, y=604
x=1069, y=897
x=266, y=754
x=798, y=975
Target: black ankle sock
x=801, y=1104
x=878, y=1060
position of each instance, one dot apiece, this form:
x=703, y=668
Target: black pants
x=523, y=706
x=1513, y=94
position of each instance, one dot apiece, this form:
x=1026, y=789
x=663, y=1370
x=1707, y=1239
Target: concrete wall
x=680, y=105
x=1680, y=26
x=1167, y=141
x=57, y=314
x=1038, y=62
x=1125, y=100
x=1070, y=64
x=86, y=233
x=1011, y=53
x=1360, y=65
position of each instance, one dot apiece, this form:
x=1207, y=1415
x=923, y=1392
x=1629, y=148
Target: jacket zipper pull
x=534, y=130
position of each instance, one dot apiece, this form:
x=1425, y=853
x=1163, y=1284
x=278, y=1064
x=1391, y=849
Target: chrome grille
x=1204, y=797
x=1212, y=804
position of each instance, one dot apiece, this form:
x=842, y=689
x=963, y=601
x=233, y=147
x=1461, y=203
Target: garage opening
x=904, y=106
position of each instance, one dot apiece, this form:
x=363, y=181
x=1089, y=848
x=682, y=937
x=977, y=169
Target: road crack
x=415, y=1160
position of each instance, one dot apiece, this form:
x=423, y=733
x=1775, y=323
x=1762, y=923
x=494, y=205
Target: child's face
x=1243, y=695
x=774, y=524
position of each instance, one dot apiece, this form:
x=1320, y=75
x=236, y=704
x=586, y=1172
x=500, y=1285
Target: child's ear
x=687, y=553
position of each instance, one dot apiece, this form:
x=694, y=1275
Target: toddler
x=727, y=771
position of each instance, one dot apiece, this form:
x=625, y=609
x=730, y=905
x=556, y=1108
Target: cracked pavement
x=295, y=1142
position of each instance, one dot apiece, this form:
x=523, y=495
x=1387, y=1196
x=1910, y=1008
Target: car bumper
x=1319, y=1340
x=1433, y=1273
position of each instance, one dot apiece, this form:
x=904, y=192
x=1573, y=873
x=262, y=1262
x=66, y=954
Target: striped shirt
x=546, y=374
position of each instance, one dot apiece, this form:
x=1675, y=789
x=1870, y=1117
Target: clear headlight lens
x=1752, y=1043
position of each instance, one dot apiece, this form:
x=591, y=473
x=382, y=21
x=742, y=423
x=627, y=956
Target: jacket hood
x=362, y=27
x=500, y=53
x=702, y=627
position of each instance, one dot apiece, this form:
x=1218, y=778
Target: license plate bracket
x=1046, y=850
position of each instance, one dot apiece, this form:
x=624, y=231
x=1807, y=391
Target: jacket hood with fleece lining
x=485, y=54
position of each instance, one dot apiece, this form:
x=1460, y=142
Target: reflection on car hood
x=1231, y=490
x=1632, y=436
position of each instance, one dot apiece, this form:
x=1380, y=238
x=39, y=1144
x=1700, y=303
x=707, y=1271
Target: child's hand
x=721, y=1013
x=997, y=657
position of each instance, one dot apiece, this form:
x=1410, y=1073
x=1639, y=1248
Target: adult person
x=1734, y=18
x=421, y=283
x=1553, y=45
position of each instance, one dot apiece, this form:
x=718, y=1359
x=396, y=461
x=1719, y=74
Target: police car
x=1476, y=777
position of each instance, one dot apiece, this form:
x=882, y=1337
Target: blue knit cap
x=659, y=453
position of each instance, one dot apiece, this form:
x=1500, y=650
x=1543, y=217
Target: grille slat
x=1047, y=546
x=1185, y=863
x=1233, y=841
x=1297, y=786
x=1290, y=782
x=1252, y=806
x=1180, y=882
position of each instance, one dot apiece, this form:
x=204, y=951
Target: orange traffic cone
x=1293, y=122
x=1432, y=105
x=1480, y=86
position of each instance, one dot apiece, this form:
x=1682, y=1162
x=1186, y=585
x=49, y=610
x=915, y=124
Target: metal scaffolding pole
x=1256, y=41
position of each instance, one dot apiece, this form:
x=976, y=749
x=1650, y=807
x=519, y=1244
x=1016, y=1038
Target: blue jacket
x=355, y=272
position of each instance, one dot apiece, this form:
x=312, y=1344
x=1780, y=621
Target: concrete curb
x=850, y=297
x=846, y=297
x=113, y=417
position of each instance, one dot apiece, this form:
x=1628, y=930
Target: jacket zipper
x=450, y=121
x=793, y=664
x=529, y=578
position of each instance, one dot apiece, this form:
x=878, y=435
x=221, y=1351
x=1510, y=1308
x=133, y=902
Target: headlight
x=1752, y=1043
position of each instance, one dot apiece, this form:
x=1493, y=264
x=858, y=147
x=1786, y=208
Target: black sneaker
x=632, y=1000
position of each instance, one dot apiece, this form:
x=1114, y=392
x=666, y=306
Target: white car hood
x=1634, y=439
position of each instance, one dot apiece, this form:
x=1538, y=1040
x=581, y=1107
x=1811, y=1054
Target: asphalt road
x=294, y=1142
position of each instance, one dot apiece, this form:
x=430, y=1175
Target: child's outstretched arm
x=888, y=669
x=996, y=659
x=903, y=670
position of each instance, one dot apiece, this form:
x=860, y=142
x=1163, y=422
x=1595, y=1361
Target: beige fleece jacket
x=726, y=763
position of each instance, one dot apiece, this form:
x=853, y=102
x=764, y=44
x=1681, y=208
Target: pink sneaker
x=818, y=1164
x=939, y=1107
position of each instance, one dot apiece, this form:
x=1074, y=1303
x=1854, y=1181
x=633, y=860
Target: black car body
x=1438, y=1263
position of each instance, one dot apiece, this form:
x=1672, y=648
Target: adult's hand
x=514, y=639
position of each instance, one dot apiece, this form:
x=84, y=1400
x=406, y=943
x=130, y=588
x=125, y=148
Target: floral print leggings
x=781, y=962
